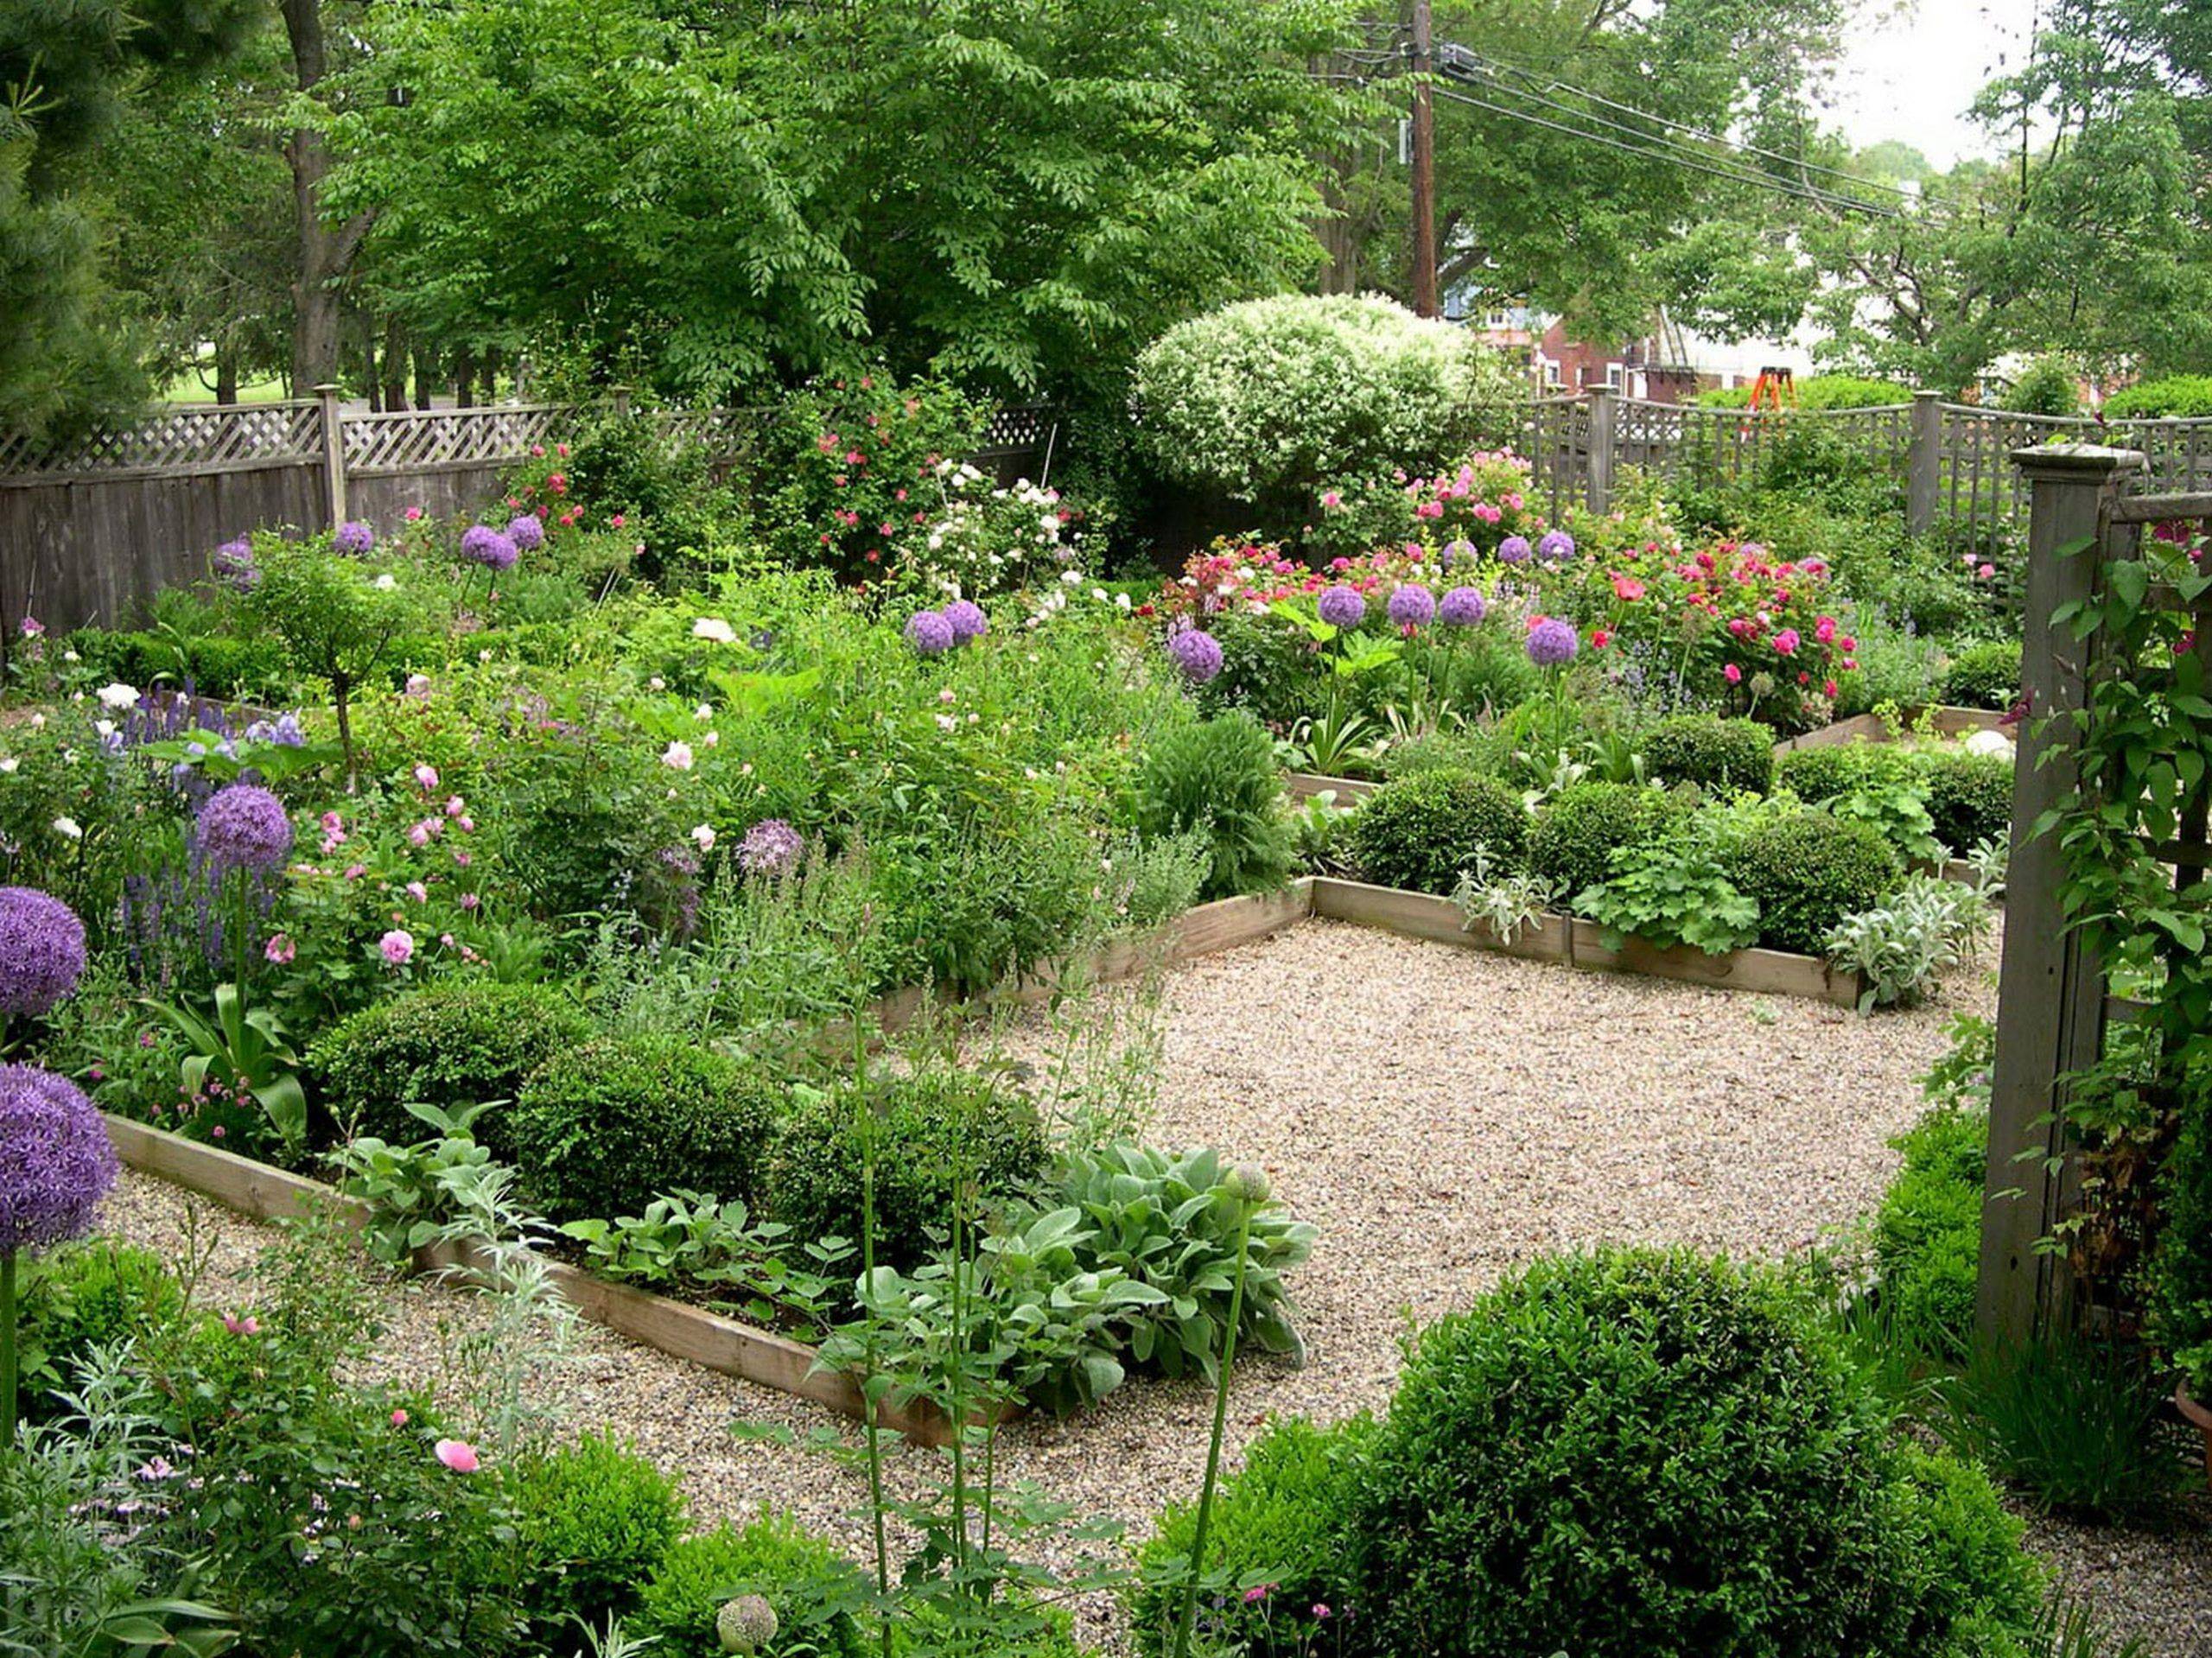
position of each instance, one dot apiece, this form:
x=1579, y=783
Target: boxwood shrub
x=816, y=1592
x=445, y=1045
x=1928, y=1233
x=1633, y=1453
x=1421, y=832
x=602, y=1130
x=1574, y=837
x=930, y=1131
x=1720, y=756
x=1808, y=871
x=1969, y=796
x=1982, y=676
x=595, y=1521
x=1815, y=775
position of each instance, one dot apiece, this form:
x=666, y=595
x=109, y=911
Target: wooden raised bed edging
x=667, y=1326
x=1304, y=786
x=1575, y=943
x=1871, y=728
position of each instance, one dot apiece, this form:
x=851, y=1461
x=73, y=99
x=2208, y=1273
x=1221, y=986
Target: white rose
x=714, y=628
x=703, y=837
x=678, y=755
x=119, y=695
x=69, y=828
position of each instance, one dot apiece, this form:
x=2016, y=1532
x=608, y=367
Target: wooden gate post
x=2050, y=989
x=334, y=455
x=1923, y=462
x=1604, y=411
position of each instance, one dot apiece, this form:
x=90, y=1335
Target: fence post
x=1924, y=474
x=334, y=454
x=1604, y=411
x=2051, y=987
x=620, y=396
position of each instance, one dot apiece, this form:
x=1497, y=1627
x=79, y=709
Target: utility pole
x=1424, y=169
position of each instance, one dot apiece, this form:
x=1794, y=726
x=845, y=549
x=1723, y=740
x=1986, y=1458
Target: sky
x=1910, y=70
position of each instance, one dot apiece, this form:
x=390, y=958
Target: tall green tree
x=1021, y=193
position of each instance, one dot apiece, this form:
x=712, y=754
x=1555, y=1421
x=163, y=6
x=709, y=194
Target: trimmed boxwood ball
x=1969, y=796
x=594, y=1520
x=601, y=1131
x=1982, y=676
x=1720, y=756
x=1808, y=871
x=1419, y=833
x=1635, y=1451
x=929, y=1131
x=446, y=1045
x=1282, y=1516
x=1574, y=838
x=812, y=1588
x=1815, y=775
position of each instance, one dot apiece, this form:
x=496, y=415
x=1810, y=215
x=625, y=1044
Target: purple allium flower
x=233, y=565
x=481, y=544
x=1197, y=654
x=771, y=847
x=354, y=537
x=1456, y=550
x=1463, y=607
x=42, y=950
x=1412, y=606
x=1514, y=550
x=1552, y=642
x=929, y=632
x=527, y=531
x=1342, y=606
x=967, y=620
x=245, y=826
x=56, y=1162
x=1555, y=546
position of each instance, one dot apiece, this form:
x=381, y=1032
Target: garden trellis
x=2083, y=871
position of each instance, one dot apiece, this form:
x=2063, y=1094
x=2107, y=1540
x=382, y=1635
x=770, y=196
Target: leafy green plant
x=693, y=1238
x=1503, y=906
x=241, y=1052
x=594, y=1520
x=1904, y=946
x=2078, y=1425
x=426, y=1191
x=1171, y=1224
x=1927, y=1233
x=337, y=619
x=1985, y=675
x=607, y=1128
x=1319, y=832
x=1423, y=832
x=1338, y=742
x=1674, y=890
x=1219, y=777
x=821, y=1601
x=82, y=1297
x=1970, y=798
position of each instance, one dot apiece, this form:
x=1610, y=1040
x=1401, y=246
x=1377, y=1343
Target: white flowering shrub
x=987, y=539
x=1271, y=398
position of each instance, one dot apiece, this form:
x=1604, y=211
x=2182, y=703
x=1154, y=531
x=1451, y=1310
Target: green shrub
x=1468, y=749
x=1928, y=1234
x=2177, y=396
x=1969, y=796
x=1985, y=675
x=1421, y=833
x=2181, y=1265
x=1807, y=871
x=215, y=665
x=445, y=1045
x=1572, y=842
x=1279, y=1521
x=1817, y=774
x=931, y=1131
x=601, y=1131
x=596, y=1522
x=1220, y=777
x=81, y=1297
x=2048, y=386
x=1821, y=391
x=1720, y=756
x=817, y=1593
x=1633, y=1453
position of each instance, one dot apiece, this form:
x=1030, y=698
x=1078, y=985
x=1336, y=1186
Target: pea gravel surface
x=1442, y=1115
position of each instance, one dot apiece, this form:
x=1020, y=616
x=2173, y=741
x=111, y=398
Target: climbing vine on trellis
x=2136, y=864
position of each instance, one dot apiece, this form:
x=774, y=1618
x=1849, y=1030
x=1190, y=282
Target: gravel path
x=1441, y=1114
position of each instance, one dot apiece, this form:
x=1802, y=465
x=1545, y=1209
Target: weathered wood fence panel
x=90, y=532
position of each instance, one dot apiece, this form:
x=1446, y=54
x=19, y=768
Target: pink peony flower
x=426, y=777
x=1787, y=642
x=458, y=1455
x=279, y=949
x=1732, y=674
x=399, y=1418
x=246, y=1325
x=397, y=947
x=419, y=893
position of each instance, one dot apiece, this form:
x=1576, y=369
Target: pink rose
x=1732, y=674
x=458, y=1455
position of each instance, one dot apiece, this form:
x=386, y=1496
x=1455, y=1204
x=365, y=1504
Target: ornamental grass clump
x=41, y=952
x=56, y=1163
